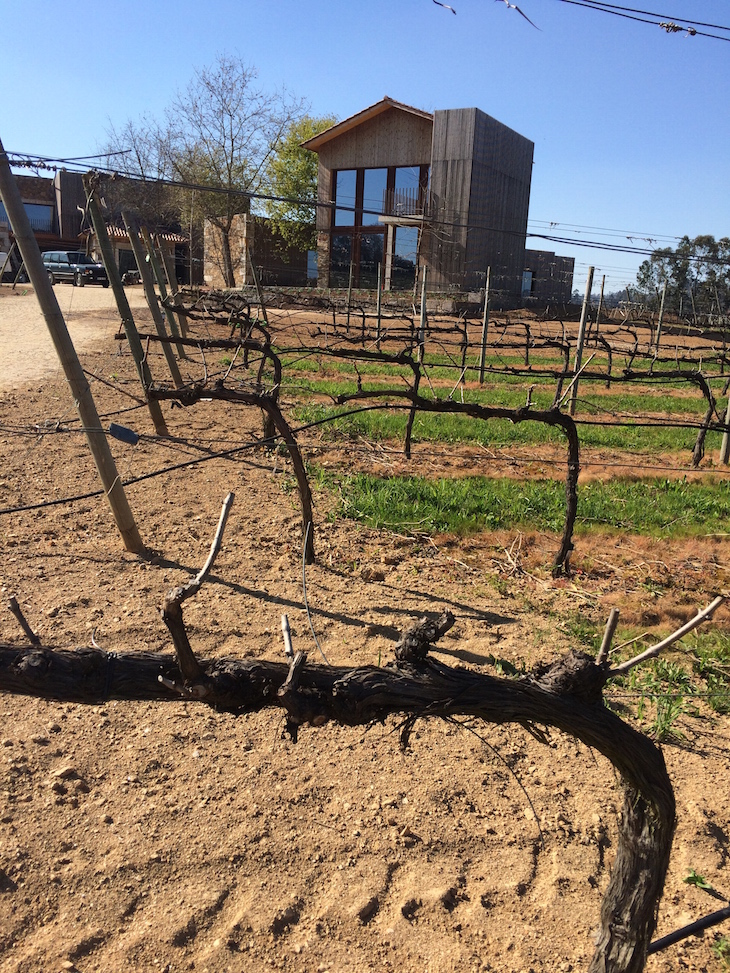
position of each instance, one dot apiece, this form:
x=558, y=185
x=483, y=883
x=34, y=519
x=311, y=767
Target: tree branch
x=172, y=605
x=654, y=651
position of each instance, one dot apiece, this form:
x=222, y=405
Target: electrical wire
x=25, y=159
x=668, y=23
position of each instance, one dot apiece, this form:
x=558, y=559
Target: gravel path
x=26, y=350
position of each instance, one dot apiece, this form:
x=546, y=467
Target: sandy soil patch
x=144, y=837
x=27, y=349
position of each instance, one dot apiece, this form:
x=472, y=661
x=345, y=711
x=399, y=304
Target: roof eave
x=317, y=141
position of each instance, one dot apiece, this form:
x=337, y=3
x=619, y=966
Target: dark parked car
x=74, y=267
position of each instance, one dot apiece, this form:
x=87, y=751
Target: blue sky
x=630, y=123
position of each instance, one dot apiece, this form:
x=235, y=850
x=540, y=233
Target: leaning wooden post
x=485, y=327
x=422, y=320
x=661, y=319
x=149, y=290
x=161, y=287
x=125, y=312
x=581, y=341
x=169, y=265
x=70, y=363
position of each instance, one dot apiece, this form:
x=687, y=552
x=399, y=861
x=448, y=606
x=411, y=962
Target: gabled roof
x=365, y=115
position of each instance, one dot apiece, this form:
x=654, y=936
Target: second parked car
x=74, y=267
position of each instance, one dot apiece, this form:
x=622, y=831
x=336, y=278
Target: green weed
x=659, y=508
x=699, y=881
x=583, y=632
x=711, y=652
x=721, y=949
x=662, y=690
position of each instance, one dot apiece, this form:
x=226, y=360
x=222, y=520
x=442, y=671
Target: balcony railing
x=41, y=224
x=412, y=203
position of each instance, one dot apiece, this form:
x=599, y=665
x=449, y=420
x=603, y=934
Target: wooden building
x=403, y=188
x=547, y=278
x=56, y=208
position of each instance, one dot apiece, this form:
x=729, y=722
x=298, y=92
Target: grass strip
x=656, y=507
x=383, y=424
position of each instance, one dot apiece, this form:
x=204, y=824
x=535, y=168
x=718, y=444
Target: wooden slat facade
x=393, y=137
x=479, y=187
x=480, y=172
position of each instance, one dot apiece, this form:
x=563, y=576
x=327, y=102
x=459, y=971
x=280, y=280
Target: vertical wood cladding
x=70, y=197
x=392, y=138
x=479, y=187
x=480, y=178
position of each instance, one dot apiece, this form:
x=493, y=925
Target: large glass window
x=407, y=190
x=345, y=196
x=371, y=254
x=405, y=254
x=39, y=215
x=375, y=183
x=408, y=177
x=340, y=254
x=361, y=197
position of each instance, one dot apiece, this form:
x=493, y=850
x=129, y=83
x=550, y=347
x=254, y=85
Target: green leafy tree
x=292, y=175
x=696, y=274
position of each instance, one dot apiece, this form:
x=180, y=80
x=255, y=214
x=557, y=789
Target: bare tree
x=221, y=132
x=140, y=186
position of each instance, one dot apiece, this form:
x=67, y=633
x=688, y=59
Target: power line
x=668, y=23
x=630, y=235
x=649, y=13
x=25, y=159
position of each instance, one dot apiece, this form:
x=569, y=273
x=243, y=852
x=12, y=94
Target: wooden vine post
x=125, y=312
x=581, y=341
x=149, y=290
x=160, y=279
x=168, y=262
x=75, y=377
x=485, y=327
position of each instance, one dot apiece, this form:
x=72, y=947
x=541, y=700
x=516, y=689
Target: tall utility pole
x=95, y=435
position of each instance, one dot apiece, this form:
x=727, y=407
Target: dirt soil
x=166, y=836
